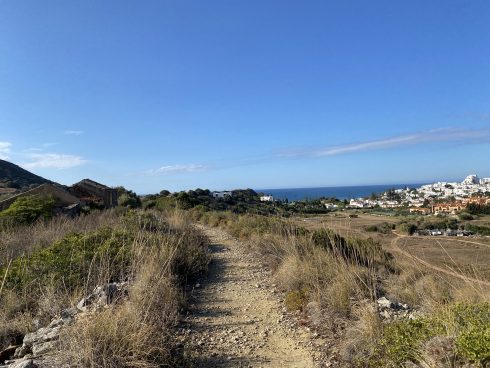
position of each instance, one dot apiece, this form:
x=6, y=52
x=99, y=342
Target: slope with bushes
x=157, y=254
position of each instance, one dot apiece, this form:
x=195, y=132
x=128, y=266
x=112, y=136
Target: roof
x=92, y=183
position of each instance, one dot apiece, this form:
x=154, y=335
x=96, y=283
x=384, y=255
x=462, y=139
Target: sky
x=225, y=94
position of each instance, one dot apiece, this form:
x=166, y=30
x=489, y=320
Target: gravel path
x=236, y=319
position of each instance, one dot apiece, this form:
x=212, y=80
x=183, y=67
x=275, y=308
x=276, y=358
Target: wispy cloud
x=74, y=132
x=50, y=144
x=4, y=150
x=53, y=161
x=436, y=135
x=176, y=169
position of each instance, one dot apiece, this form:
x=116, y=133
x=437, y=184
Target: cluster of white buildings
x=420, y=197
x=471, y=185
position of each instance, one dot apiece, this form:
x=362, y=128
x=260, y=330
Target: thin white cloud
x=53, y=161
x=435, y=135
x=74, y=132
x=4, y=150
x=176, y=169
x=50, y=144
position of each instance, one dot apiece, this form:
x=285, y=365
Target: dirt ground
x=469, y=256
x=237, y=319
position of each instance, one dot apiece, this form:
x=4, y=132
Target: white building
x=471, y=179
x=267, y=198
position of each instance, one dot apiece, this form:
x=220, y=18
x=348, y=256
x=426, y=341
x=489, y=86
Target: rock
x=28, y=363
x=43, y=348
x=384, y=303
x=42, y=335
x=67, y=315
x=314, y=312
x=197, y=286
x=82, y=305
x=22, y=351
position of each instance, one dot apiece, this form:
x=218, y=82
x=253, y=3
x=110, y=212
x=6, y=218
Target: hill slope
x=13, y=176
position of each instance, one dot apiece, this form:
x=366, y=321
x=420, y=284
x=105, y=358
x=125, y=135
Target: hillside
x=13, y=176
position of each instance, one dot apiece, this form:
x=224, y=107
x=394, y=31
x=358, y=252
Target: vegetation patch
x=26, y=210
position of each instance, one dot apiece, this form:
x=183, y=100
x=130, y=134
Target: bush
x=406, y=228
x=26, y=210
x=73, y=261
x=401, y=342
x=364, y=252
x=473, y=332
x=465, y=216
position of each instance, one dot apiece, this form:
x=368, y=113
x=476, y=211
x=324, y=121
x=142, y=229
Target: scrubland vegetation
x=338, y=280
x=50, y=265
x=331, y=282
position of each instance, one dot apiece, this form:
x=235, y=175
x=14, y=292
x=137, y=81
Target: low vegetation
x=342, y=277
x=157, y=253
x=330, y=280
x=26, y=210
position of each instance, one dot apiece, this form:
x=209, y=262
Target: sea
x=303, y=194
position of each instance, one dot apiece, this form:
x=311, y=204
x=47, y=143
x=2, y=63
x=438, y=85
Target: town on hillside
x=436, y=198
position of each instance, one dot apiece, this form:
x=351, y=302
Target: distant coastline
x=347, y=192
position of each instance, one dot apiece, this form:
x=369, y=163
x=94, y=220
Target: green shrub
x=73, y=261
x=403, y=341
x=473, y=332
x=399, y=343
x=465, y=216
x=477, y=229
x=406, y=228
x=25, y=210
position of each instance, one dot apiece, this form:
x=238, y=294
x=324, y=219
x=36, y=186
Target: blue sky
x=232, y=94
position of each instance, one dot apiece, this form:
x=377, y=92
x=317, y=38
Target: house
x=330, y=206
x=267, y=198
x=356, y=203
x=222, y=194
x=420, y=210
x=92, y=193
x=448, y=207
x=435, y=232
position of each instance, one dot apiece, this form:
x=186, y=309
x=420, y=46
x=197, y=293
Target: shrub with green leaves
x=25, y=210
x=73, y=261
x=473, y=332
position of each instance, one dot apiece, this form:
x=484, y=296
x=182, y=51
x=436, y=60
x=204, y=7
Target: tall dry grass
x=340, y=278
x=163, y=252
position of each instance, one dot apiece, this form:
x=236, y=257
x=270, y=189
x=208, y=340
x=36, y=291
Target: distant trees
x=477, y=209
x=128, y=198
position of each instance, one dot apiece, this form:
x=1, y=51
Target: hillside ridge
x=14, y=176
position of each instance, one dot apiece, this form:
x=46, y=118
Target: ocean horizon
x=342, y=192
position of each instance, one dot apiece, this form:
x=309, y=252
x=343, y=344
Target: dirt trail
x=236, y=319
x=446, y=271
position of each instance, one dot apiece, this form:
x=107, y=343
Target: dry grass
x=161, y=253
x=344, y=275
x=18, y=240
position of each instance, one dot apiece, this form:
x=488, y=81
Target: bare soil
x=236, y=318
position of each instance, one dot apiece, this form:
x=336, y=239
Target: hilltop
x=15, y=177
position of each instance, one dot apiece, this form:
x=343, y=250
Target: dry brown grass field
x=468, y=256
